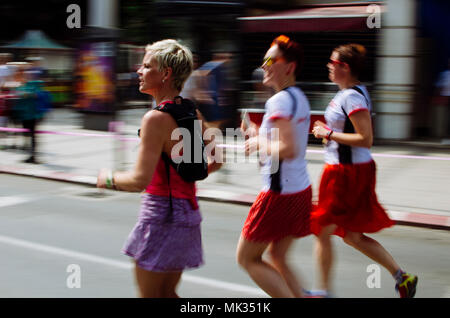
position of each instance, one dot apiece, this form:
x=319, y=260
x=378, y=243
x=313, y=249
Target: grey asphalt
x=47, y=226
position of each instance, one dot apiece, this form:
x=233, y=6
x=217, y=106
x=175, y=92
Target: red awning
x=343, y=17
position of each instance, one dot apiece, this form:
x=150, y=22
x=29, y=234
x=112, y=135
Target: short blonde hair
x=170, y=53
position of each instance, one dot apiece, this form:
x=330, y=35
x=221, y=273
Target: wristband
x=110, y=180
x=328, y=137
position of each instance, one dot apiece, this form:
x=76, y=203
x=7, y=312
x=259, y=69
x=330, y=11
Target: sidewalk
x=78, y=155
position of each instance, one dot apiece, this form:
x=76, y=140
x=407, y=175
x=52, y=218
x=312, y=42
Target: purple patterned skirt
x=159, y=244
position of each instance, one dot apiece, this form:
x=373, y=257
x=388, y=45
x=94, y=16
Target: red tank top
x=180, y=188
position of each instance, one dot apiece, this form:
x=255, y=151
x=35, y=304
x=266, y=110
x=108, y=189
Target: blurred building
x=207, y=26
x=319, y=28
x=408, y=44
x=406, y=48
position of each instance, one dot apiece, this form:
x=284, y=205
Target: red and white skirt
x=274, y=216
x=347, y=199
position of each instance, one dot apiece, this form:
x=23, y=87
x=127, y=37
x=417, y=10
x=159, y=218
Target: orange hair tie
x=281, y=38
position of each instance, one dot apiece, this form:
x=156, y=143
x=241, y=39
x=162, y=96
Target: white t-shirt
x=289, y=175
x=351, y=101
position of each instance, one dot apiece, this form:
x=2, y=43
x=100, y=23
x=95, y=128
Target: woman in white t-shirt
x=348, y=205
x=281, y=211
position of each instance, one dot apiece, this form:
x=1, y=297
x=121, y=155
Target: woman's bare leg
x=249, y=256
x=372, y=249
x=278, y=254
x=170, y=284
x=156, y=284
x=324, y=252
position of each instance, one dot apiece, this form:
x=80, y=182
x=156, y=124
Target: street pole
x=396, y=61
x=103, y=14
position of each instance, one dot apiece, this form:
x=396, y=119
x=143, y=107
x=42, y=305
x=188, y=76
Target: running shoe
x=407, y=288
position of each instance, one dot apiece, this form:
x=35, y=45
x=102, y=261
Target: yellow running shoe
x=407, y=288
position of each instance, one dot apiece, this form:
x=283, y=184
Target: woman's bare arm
x=363, y=136
x=281, y=143
x=153, y=135
x=215, y=157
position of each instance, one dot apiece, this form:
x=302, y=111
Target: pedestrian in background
x=5, y=74
x=36, y=71
x=23, y=105
x=282, y=209
x=30, y=106
x=441, y=99
x=190, y=86
x=261, y=93
x=162, y=250
x=348, y=205
x=10, y=98
x=5, y=69
x=25, y=108
x=194, y=87
x=214, y=90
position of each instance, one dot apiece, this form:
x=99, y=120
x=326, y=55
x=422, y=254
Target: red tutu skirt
x=274, y=216
x=347, y=199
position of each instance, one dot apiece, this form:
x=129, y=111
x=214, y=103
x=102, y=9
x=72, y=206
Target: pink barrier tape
x=394, y=156
x=13, y=129
x=410, y=157
x=134, y=139
x=54, y=132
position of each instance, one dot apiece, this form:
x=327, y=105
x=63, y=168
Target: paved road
x=46, y=226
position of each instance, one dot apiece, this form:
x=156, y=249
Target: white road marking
x=72, y=192
x=19, y=199
x=126, y=265
x=223, y=285
x=14, y=200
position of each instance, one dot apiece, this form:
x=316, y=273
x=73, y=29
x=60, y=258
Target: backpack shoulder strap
x=166, y=160
x=294, y=102
x=179, y=109
x=166, y=108
x=345, y=151
x=359, y=90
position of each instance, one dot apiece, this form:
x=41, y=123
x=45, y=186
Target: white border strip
x=296, y=17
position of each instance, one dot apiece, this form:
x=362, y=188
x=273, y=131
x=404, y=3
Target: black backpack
x=195, y=167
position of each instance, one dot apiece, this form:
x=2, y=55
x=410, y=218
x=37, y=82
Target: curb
x=51, y=175
x=412, y=143
x=432, y=221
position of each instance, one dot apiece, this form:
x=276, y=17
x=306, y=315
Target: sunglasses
x=269, y=61
x=336, y=62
